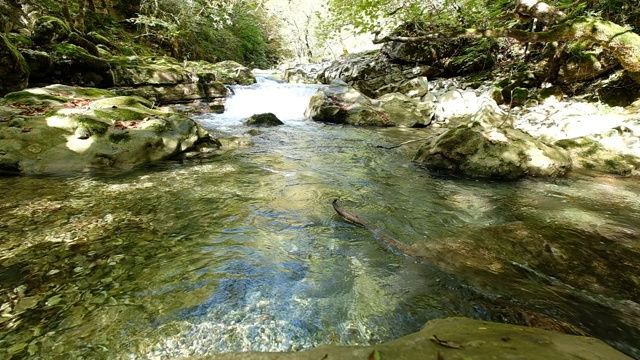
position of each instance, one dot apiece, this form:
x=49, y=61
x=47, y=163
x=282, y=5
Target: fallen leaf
x=26, y=129
x=375, y=355
x=445, y=343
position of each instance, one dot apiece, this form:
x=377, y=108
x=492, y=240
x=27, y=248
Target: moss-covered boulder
x=68, y=129
x=40, y=64
x=73, y=65
x=266, y=119
x=76, y=39
x=590, y=154
x=404, y=111
x=458, y=339
x=49, y=29
x=14, y=72
x=475, y=150
x=227, y=72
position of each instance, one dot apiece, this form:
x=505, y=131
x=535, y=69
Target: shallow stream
x=244, y=251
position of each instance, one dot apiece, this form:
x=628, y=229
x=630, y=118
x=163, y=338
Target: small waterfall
x=287, y=101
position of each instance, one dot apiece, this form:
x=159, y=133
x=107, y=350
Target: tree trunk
x=623, y=43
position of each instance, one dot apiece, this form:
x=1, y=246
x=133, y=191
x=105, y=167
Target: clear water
x=244, y=251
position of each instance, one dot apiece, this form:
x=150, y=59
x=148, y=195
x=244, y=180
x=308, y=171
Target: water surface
x=244, y=252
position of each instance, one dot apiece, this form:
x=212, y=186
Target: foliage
x=382, y=16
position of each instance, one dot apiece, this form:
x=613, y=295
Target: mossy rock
x=75, y=39
x=498, y=153
x=589, y=154
x=266, y=119
x=89, y=126
x=70, y=136
x=33, y=97
x=552, y=91
x=19, y=41
x=49, y=29
x=120, y=101
x=519, y=96
x=39, y=63
x=98, y=39
x=14, y=71
x=80, y=58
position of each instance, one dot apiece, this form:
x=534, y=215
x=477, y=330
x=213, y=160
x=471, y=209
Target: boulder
x=582, y=64
x=39, y=63
x=340, y=103
x=374, y=74
x=589, y=154
x=176, y=93
x=69, y=129
x=14, y=71
x=481, y=148
x=75, y=39
x=266, y=119
x=73, y=65
x=458, y=338
x=300, y=76
x=49, y=29
x=166, y=80
x=404, y=111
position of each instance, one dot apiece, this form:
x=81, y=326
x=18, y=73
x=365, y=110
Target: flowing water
x=244, y=251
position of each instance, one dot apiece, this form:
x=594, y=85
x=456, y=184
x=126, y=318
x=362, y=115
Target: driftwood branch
x=402, y=143
x=384, y=239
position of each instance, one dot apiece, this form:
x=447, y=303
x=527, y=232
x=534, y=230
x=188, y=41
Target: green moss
x=160, y=127
x=118, y=137
x=120, y=114
x=81, y=56
x=94, y=126
x=48, y=29
x=29, y=98
x=123, y=101
x=16, y=123
x=20, y=41
x=93, y=93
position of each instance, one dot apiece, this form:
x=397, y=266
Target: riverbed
x=243, y=251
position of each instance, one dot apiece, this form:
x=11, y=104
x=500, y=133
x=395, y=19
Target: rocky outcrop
x=459, y=338
x=483, y=148
x=67, y=129
x=165, y=80
x=56, y=54
x=14, y=72
x=378, y=73
x=341, y=103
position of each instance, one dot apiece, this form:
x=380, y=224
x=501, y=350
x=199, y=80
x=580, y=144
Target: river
x=243, y=251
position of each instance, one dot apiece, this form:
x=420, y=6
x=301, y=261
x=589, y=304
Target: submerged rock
x=460, y=338
x=66, y=129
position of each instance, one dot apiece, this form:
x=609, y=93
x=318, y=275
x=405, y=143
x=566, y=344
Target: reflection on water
x=245, y=253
